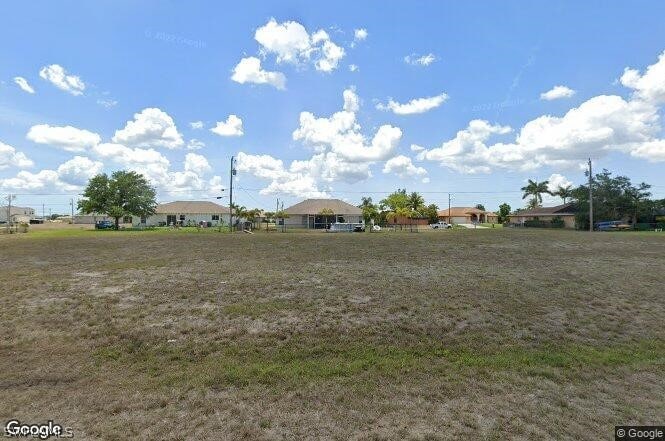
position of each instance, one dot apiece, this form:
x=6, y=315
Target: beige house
x=310, y=213
x=467, y=215
x=185, y=213
x=565, y=212
x=18, y=215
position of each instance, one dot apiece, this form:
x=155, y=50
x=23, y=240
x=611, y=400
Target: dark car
x=104, y=225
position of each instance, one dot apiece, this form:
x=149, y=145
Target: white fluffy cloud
x=341, y=153
x=231, y=127
x=197, y=163
x=403, y=167
x=599, y=125
x=71, y=175
x=196, y=125
x=78, y=170
x=9, y=157
x=416, y=105
x=195, y=144
x=24, y=85
x=360, y=34
x=249, y=70
x=291, y=43
x=68, y=138
x=557, y=92
x=420, y=60
x=57, y=75
x=151, y=127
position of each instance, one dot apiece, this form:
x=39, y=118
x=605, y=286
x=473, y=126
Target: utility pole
x=233, y=172
x=9, y=213
x=43, y=214
x=71, y=202
x=449, y=218
x=590, y=198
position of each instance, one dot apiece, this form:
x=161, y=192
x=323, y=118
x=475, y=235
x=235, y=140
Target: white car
x=441, y=225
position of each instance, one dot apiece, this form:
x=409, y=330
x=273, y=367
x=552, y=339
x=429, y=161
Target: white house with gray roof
x=320, y=213
x=185, y=213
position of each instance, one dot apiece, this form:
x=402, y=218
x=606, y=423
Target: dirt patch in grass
x=466, y=334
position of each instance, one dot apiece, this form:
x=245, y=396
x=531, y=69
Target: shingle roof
x=194, y=207
x=315, y=206
x=568, y=209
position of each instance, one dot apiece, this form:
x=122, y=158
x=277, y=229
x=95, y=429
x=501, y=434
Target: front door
x=170, y=219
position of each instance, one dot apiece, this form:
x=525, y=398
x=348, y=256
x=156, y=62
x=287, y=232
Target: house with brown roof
x=565, y=212
x=320, y=213
x=185, y=213
x=467, y=215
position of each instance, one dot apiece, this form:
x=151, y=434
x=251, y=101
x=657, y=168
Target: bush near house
x=557, y=222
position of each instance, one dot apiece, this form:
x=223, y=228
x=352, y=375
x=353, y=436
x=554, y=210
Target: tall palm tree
x=415, y=202
x=564, y=192
x=535, y=189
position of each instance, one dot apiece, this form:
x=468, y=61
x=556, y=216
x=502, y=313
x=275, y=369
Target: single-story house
x=185, y=213
x=18, y=215
x=310, y=213
x=565, y=212
x=467, y=215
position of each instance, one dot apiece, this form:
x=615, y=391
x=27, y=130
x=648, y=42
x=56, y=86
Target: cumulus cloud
x=196, y=125
x=79, y=170
x=68, y=138
x=9, y=157
x=231, y=127
x=416, y=105
x=403, y=167
x=151, y=127
x=24, y=85
x=557, y=92
x=341, y=153
x=71, y=175
x=291, y=43
x=249, y=70
x=353, y=67
x=57, y=75
x=197, y=163
x=420, y=60
x=599, y=125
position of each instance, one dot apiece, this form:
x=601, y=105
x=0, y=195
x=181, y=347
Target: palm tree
x=535, y=190
x=370, y=211
x=326, y=213
x=415, y=202
x=564, y=192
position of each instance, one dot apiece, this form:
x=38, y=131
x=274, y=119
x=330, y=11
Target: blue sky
x=333, y=100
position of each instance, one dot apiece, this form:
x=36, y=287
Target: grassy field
x=460, y=334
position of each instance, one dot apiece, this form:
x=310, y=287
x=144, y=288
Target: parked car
x=104, y=225
x=612, y=226
x=441, y=225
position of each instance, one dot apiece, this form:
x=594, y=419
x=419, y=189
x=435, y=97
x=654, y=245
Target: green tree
x=480, y=207
x=504, y=211
x=614, y=198
x=395, y=200
x=416, y=202
x=370, y=210
x=535, y=190
x=432, y=213
x=124, y=193
x=267, y=217
x=564, y=192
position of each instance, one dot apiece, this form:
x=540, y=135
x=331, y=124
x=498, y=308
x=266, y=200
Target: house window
x=127, y=219
x=215, y=217
x=182, y=217
x=143, y=219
